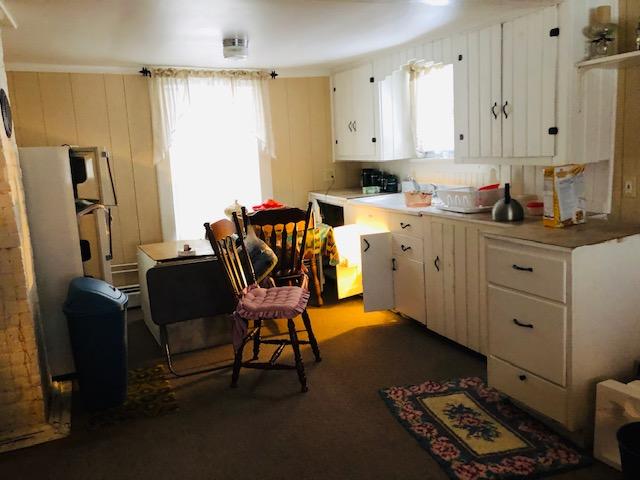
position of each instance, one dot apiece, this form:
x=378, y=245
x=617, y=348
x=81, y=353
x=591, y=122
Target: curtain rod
x=145, y=72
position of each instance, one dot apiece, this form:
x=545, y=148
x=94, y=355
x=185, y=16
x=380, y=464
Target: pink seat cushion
x=270, y=303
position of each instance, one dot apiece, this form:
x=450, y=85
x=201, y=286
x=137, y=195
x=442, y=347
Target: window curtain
x=431, y=99
x=212, y=145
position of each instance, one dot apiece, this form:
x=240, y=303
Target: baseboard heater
x=132, y=290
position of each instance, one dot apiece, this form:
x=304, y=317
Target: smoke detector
x=235, y=48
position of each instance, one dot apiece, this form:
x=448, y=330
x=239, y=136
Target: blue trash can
x=96, y=314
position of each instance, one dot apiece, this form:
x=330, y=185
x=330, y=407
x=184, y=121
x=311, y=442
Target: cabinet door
x=478, y=99
x=363, y=113
x=408, y=286
x=529, y=85
x=434, y=276
x=386, y=140
x=490, y=71
x=342, y=113
x=452, y=283
x=402, y=136
x=377, y=264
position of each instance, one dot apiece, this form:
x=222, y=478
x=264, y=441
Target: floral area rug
x=149, y=394
x=476, y=433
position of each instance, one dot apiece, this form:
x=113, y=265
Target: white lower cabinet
x=452, y=258
x=392, y=278
x=408, y=287
x=561, y=320
x=391, y=259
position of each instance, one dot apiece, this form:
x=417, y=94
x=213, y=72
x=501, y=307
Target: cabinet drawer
x=406, y=224
x=534, y=392
x=528, y=332
x=405, y=246
x=530, y=270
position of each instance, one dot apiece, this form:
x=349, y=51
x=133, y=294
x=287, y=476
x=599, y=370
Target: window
x=211, y=129
x=432, y=104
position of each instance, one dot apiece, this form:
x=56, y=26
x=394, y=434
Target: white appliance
x=51, y=212
x=66, y=190
x=94, y=224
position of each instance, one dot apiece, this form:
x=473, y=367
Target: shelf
x=620, y=60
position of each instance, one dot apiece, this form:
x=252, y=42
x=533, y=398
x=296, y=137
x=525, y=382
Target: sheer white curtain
x=432, y=110
x=212, y=145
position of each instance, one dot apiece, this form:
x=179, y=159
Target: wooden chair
x=290, y=253
x=257, y=304
x=280, y=228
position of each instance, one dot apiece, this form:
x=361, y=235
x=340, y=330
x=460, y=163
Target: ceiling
x=282, y=33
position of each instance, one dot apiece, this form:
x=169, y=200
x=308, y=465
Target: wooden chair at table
x=290, y=252
x=257, y=304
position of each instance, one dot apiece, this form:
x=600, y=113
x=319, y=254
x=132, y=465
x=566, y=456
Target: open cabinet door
x=377, y=271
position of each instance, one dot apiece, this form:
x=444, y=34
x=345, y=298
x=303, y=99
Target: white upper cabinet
x=529, y=71
x=354, y=122
x=505, y=90
x=371, y=117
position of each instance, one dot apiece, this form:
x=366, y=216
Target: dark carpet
x=267, y=429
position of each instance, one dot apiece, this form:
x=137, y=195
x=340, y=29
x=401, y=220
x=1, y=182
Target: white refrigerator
x=51, y=213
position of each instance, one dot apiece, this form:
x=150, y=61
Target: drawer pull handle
x=404, y=225
x=522, y=377
x=393, y=264
x=522, y=269
x=520, y=324
x=405, y=248
x=367, y=245
x=436, y=263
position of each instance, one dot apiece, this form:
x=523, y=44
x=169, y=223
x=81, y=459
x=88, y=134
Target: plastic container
x=96, y=314
x=629, y=444
x=535, y=208
x=469, y=197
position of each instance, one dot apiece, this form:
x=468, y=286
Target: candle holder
x=602, y=33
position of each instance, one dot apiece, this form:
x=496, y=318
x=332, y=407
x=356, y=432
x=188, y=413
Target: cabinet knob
x=504, y=109
x=522, y=269
x=522, y=377
x=523, y=325
x=493, y=110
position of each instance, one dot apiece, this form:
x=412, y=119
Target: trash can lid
x=91, y=296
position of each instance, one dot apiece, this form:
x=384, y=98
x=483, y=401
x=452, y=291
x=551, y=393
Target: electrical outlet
x=630, y=187
x=329, y=175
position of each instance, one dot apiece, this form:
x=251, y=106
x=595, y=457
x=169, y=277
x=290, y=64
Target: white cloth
x=431, y=92
x=212, y=145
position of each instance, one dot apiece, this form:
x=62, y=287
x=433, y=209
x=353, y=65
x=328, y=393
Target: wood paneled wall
x=627, y=155
x=110, y=111
x=113, y=111
x=301, y=115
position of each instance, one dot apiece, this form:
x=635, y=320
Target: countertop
x=342, y=195
x=595, y=230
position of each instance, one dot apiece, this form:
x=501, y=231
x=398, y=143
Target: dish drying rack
x=468, y=199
